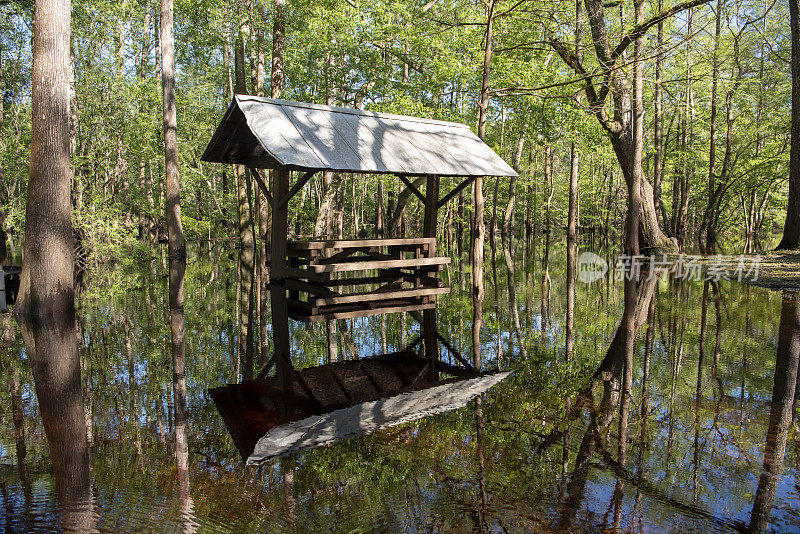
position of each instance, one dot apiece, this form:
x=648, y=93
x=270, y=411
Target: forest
x=156, y=268
x=716, y=94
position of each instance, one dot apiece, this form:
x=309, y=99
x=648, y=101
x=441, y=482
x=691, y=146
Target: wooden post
x=3, y=303
x=429, y=316
x=277, y=281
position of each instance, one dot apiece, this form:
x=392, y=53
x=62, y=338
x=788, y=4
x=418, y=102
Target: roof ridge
x=350, y=111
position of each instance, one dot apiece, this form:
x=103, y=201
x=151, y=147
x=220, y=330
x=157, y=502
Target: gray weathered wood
x=376, y=264
x=317, y=130
x=380, y=295
x=352, y=312
x=277, y=135
x=358, y=243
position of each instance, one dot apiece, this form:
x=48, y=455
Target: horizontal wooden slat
x=358, y=243
x=348, y=311
x=361, y=280
x=379, y=295
x=377, y=264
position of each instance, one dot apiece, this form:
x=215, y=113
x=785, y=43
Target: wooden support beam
x=267, y=368
x=262, y=185
x=411, y=188
x=454, y=352
x=429, y=328
x=277, y=283
x=449, y=196
x=298, y=185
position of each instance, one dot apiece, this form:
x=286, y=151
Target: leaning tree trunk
x=652, y=235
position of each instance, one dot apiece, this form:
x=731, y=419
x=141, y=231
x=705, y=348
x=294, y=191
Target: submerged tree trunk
x=572, y=250
x=176, y=244
x=245, y=221
x=478, y=228
x=781, y=410
x=52, y=350
x=46, y=286
x=791, y=227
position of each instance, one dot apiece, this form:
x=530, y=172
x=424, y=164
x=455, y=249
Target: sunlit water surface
x=514, y=461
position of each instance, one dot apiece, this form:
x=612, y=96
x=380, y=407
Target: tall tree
x=615, y=85
x=572, y=214
x=46, y=286
x=245, y=211
x=479, y=229
x=791, y=227
x=706, y=224
x=176, y=246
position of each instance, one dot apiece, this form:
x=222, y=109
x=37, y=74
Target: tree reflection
x=781, y=411
x=52, y=350
x=615, y=375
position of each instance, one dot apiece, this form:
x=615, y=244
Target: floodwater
x=705, y=440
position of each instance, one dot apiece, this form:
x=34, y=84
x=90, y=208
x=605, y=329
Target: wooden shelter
x=285, y=136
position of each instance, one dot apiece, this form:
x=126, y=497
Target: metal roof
x=366, y=417
x=269, y=133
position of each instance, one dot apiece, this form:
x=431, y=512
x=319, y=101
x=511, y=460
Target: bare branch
x=640, y=29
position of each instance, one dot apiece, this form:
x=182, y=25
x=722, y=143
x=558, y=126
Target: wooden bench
x=338, y=279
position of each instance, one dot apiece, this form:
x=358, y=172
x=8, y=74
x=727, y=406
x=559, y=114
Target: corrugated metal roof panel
x=314, y=137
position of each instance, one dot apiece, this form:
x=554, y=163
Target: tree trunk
x=323, y=226
x=791, y=227
x=572, y=250
x=707, y=225
x=781, y=409
x=572, y=217
x=478, y=227
x=245, y=223
x=548, y=181
x=176, y=244
x=379, y=210
x=512, y=189
x=658, y=143
x=46, y=286
x=278, y=48
x=399, y=205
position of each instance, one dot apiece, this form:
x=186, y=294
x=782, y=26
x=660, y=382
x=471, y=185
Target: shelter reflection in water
x=335, y=401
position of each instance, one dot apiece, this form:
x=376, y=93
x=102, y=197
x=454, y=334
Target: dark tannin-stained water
x=705, y=441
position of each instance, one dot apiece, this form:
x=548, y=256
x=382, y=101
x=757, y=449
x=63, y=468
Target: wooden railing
x=356, y=278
